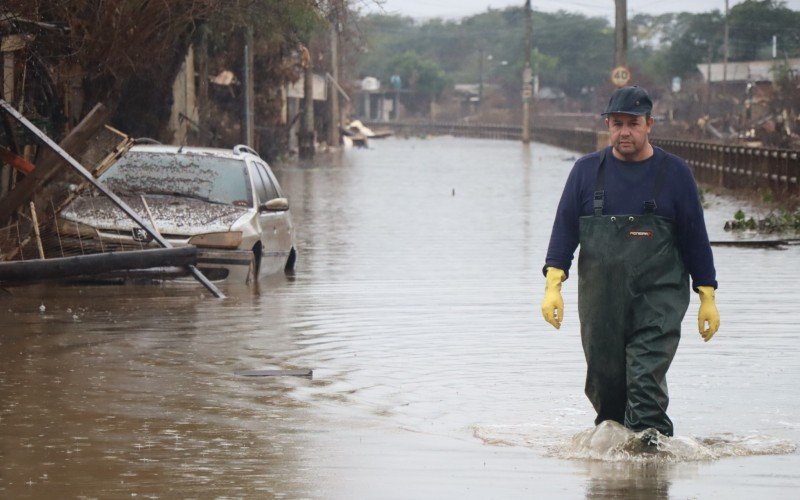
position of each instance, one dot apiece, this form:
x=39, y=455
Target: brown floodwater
x=416, y=304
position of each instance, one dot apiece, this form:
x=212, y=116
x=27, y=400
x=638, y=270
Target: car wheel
x=289, y=268
x=256, y=259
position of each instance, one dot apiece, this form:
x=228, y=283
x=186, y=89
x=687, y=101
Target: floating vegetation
x=776, y=221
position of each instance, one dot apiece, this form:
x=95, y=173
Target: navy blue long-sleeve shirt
x=627, y=186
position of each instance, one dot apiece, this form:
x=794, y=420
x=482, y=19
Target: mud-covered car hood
x=173, y=215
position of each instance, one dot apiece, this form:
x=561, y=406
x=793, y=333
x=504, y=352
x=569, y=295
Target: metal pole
x=527, y=77
x=110, y=194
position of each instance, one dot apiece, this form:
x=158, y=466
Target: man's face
x=628, y=134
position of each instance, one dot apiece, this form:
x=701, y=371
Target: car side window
x=275, y=182
x=270, y=190
x=261, y=187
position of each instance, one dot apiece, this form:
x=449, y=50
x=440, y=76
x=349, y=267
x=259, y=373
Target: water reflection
x=415, y=302
x=137, y=395
x=612, y=480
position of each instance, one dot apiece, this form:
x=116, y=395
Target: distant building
x=293, y=106
x=745, y=71
x=756, y=114
x=375, y=103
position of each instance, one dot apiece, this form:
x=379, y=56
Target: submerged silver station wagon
x=212, y=198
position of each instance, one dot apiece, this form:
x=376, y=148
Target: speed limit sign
x=620, y=76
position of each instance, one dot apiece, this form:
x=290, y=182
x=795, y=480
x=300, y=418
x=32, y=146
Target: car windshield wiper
x=194, y=196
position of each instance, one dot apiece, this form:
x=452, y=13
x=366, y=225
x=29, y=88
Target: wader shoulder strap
x=599, y=184
x=650, y=205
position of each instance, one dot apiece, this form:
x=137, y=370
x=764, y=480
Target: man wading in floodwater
x=636, y=213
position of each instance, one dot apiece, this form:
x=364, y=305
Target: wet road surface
x=416, y=305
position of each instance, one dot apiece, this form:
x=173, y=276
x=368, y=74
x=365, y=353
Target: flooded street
x=416, y=305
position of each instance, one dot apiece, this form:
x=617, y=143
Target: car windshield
x=208, y=178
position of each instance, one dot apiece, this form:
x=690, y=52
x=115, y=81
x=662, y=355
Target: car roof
x=236, y=153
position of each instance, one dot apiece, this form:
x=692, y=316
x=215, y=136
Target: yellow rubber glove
x=553, y=304
x=708, y=313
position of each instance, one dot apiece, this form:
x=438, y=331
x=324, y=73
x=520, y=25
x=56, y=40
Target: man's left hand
x=707, y=316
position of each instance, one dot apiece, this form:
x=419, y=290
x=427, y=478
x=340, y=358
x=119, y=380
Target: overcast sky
x=455, y=9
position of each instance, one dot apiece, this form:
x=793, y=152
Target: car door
x=276, y=227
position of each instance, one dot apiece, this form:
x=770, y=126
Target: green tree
x=754, y=22
x=128, y=52
x=696, y=38
x=649, y=48
x=582, y=46
x=422, y=76
x=690, y=39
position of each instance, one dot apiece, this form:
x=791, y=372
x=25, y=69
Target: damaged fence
x=45, y=218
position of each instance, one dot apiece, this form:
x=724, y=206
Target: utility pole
x=527, y=77
x=480, y=77
x=725, y=52
x=708, y=83
x=333, y=96
x=248, y=136
x=621, y=34
x=305, y=136
x=202, y=89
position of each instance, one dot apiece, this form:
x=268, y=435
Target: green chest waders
x=633, y=292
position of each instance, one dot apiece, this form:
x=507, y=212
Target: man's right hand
x=553, y=304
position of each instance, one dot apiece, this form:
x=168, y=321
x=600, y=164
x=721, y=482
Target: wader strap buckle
x=650, y=206
x=599, y=199
x=599, y=192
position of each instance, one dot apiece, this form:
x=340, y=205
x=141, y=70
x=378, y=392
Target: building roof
x=746, y=71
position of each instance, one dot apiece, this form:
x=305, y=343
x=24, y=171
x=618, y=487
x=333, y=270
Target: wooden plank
x=13, y=43
x=50, y=162
x=35, y=223
x=100, y=152
x=88, y=265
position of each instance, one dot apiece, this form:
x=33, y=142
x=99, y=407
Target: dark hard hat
x=630, y=101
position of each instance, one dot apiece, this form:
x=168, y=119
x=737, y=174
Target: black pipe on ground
x=91, y=265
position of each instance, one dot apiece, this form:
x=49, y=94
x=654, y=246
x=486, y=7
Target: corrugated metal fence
x=734, y=167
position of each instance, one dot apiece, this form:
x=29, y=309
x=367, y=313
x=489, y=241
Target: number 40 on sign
x=620, y=76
